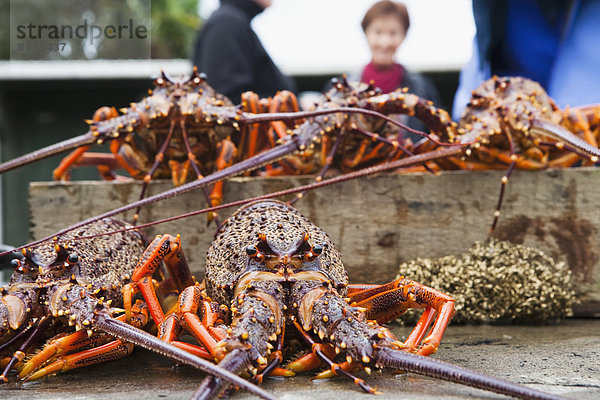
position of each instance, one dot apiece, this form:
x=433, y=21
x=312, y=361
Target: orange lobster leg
x=250, y=134
x=192, y=299
x=57, y=350
x=226, y=151
x=320, y=350
x=170, y=331
x=109, y=351
x=385, y=302
x=189, y=302
x=506, y=158
x=167, y=248
x=311, y=360
x=283, y=101
x=62, y=171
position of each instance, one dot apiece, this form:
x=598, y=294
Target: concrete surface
x=560, y=359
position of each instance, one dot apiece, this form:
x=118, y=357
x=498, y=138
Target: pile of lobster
x=271, y=275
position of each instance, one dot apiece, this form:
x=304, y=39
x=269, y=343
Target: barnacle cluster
x=497, y=281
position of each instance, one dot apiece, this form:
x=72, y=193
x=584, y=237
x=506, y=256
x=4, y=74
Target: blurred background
x=45, y=97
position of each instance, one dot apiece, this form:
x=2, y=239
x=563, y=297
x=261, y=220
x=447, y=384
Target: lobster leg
x=320, y=351
x=104, y=162
x=191, y=300
x=167, y=248
x=31, y=339
x=171, y=329
x=226, y=154
x=386, y=302
x=194, y=162
x=251, y=134
x=372, y=346
x=112, y=350
x=61, y=172
x=98, y=350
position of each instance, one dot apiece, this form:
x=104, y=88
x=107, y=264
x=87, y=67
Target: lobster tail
x=388, y=357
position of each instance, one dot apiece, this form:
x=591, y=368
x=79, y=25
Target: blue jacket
x=556, y=43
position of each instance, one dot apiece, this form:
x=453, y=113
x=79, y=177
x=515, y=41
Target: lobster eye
x=317, y=249
x=73, y=258
x=251, y=250
x=15, y=263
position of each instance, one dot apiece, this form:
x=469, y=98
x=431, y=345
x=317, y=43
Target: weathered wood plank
x=382, y=221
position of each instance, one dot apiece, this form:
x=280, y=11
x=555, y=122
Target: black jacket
x=232, y=56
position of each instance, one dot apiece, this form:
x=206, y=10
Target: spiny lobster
x=272, y=275
x=68, y=292
x=181, y=126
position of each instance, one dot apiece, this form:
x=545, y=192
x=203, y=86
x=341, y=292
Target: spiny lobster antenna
x=196, y=77
x=438, y=369
x=30, y=258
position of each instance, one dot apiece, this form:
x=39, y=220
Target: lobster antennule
x=438, y=369
x=144, y=339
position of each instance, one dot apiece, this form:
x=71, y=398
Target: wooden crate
x=381, y=221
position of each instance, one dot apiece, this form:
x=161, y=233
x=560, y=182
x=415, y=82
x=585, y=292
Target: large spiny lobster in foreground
x=271, y=276
x=67, y=292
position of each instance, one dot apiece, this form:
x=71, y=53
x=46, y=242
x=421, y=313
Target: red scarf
x=388, y=79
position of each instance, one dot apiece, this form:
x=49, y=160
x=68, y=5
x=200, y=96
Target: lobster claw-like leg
x=192, y=299
x=386, y=302
x=199, y=316
x=165, y=248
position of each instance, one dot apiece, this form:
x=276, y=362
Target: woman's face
x=384, y=36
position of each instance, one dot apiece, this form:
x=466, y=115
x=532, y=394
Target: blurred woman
x=385, y=25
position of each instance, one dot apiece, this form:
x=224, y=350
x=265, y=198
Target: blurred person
x=230, y=53
x=385, y=25
x=553, y=42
